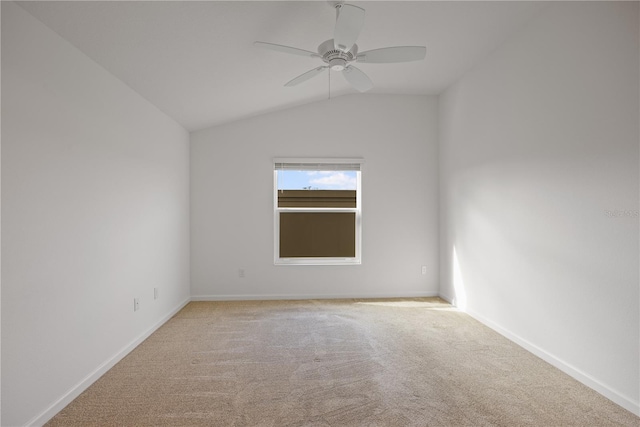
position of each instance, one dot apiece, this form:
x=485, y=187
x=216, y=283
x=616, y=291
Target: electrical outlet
x=136, y=304
x=424, y=269
x=241, y=272
x=155, y=293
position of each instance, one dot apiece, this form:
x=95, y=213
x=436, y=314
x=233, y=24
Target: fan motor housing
x=336, y=58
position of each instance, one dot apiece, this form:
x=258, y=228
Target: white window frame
x=310, y=163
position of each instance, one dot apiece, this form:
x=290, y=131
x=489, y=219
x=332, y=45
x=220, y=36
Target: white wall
x=537, y=145
x=95, y=212
x=232, y=199
x=0, y=241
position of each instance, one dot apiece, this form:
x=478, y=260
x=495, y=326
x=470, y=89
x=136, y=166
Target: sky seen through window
x=316, y=180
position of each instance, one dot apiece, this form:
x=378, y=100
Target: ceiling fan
x=339, y=52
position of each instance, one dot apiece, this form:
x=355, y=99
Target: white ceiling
x=196, y=62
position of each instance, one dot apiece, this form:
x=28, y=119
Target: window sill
x=317, y=261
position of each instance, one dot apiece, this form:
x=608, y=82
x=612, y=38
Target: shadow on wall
x=460, y=298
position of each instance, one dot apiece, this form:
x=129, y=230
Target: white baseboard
x=75, y=391
x=264, y=297
x=586, y=379
x=447, y=298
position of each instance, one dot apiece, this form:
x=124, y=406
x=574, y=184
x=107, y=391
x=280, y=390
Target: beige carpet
x=414, y=362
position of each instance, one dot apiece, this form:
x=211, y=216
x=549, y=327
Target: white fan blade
x=348, y=25
x=393, y=54
x=306, y=76
x=286, y=49
x=359, y=80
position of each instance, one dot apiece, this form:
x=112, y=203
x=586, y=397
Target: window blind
x=325, y=165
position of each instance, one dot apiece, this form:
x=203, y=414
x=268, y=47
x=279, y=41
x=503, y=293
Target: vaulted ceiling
x=196, y=60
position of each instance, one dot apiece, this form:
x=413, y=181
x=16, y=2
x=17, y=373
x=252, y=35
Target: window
x=317, y=211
